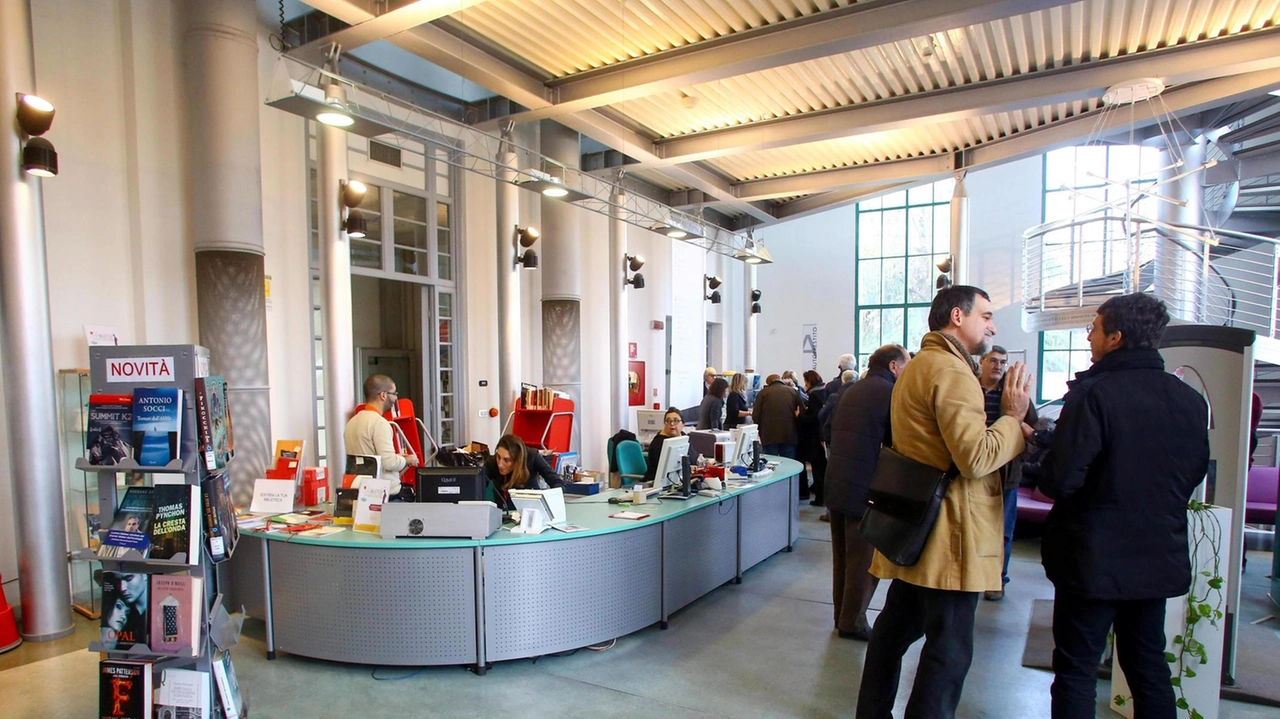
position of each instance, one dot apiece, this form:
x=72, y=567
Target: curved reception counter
x=359, y=598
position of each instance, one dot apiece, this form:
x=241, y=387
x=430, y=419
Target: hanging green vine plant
x=1203, y=526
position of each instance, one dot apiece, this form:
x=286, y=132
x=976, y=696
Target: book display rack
x=163, y=623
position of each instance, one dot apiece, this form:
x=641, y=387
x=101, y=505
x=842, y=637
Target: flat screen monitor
x=550, y=502
x=746, y=439
x=649, y=421
x=450, y=484
x=668, y=466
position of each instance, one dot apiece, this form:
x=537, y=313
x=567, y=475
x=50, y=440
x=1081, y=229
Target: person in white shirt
x=368, y=432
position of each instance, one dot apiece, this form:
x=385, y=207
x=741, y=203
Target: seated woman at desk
x=515, y=466
x=711, y=412
x=672, y=426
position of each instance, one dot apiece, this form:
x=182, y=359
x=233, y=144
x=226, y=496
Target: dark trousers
x=789, y=451
x=817, y=459
x=1010, y=519
x=1079, y=637
x=945, y=620
x=852, y=583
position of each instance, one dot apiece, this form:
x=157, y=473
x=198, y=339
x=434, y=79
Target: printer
x=418, y=520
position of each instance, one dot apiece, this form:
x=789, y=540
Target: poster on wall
x=809, y=348
x=635, y=383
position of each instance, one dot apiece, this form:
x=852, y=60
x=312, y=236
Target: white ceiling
x=773, y=108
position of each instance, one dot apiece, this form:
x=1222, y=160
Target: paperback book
x=211, y=414
x=219, y=516
x=125, y=617
x=175, y=529
x=110, y=423
x=132, y=526
x=157, y=424
x=224, y=675
x=183, y=694
x=176, y=601
x=124, y=689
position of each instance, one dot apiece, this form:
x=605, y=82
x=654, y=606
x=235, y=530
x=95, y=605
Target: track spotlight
x=636, y=281
x=39, y=158
x=529, y=260
x=713, y=282
x=352, y=193
x=635, y=262
x=714, y=297
x=755, y=295
x=526, y=236
x=35, y=114
x=335, y=109
x=355, y=225
x=755, y=308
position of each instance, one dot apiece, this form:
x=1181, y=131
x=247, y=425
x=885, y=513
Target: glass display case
x=80, y=489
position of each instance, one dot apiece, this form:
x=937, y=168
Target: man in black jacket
x=859, y=427
x=1131, y=446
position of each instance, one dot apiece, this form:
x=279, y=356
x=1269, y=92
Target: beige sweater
x=370, y=433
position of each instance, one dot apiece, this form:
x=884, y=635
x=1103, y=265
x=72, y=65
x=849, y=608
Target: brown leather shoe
x=993, y=596
x=825, y=517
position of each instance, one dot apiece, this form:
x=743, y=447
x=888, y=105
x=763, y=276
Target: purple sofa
x=1260, y=495
x=1033, y=507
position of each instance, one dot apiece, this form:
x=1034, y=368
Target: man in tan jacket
x=937, y=418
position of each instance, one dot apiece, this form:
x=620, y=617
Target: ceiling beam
x=403, y=16
x=830, y=200
x=1178, y=65
x=475, y=64
x=833, y=32
x=1190, y=98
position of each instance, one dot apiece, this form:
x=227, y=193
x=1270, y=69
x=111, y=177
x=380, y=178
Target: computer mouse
x=616, y=500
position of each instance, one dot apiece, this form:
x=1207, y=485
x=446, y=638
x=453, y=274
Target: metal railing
x=1072, y=266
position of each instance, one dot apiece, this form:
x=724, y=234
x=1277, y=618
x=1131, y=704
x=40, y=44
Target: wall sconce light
x=525, y=237
x=351, y=193
x=944, y=279
x=712, y=282
x=35, y=117
x=755, y=302
x=632, y=263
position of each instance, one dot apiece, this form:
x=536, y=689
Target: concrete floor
x=764, y=648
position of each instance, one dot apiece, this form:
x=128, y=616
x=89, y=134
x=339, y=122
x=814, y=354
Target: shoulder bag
x=902, y=506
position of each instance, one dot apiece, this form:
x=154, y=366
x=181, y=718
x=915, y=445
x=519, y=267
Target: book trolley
x=186, y=363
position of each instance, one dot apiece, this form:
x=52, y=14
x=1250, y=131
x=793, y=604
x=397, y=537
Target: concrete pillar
x=749, y=354
x=509, y=323
x=27, y=351
x=561, y=268
x=224, y=217
x=959, y=233
x=335, y=284
x=618, y=356
x=1178, y=275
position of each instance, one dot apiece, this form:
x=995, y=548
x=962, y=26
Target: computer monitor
x=668, y=466
x=550, y=502
x=648, y=423
x=450, y=484
x=746, y=439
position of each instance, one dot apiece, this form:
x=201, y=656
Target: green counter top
x=591, y=512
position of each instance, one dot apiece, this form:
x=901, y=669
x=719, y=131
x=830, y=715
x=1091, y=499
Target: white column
x=34, y=458
x=1178, y=273
x=959, y=233
x=749, y=356
x=335, y=282
x=618, y=323
x=561, y=269
x=509, y=339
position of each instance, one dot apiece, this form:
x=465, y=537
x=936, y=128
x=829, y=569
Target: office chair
x=631, y=462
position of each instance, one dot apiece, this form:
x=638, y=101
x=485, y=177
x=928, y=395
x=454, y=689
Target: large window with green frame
x=1077, y=179
x=900, y=238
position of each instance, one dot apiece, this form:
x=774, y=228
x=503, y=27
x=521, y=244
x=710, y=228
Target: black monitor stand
x=757, y=464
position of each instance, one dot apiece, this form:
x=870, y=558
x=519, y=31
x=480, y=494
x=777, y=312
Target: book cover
x=132, y=526
x=219, y=516
x=183, y=694
x=124, y=689
x=125, y=621
x=174, y=528
x=110, y=424
x=211, y=415
x=157, y=424
x=224, y=674
x=176, y=601
x=226, y=408
x=369, y=501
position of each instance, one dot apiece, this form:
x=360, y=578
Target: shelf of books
x=159, y=422
x=543, y=418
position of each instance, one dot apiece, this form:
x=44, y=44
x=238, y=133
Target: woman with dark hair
x=809, y=449
x=712, y=408
x=736, y=409
x=515, y=466
x=672, y=426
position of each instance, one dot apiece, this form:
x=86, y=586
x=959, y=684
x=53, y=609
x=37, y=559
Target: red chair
x=405, y=436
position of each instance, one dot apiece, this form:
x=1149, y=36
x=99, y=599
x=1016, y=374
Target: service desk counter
x=353, y=597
